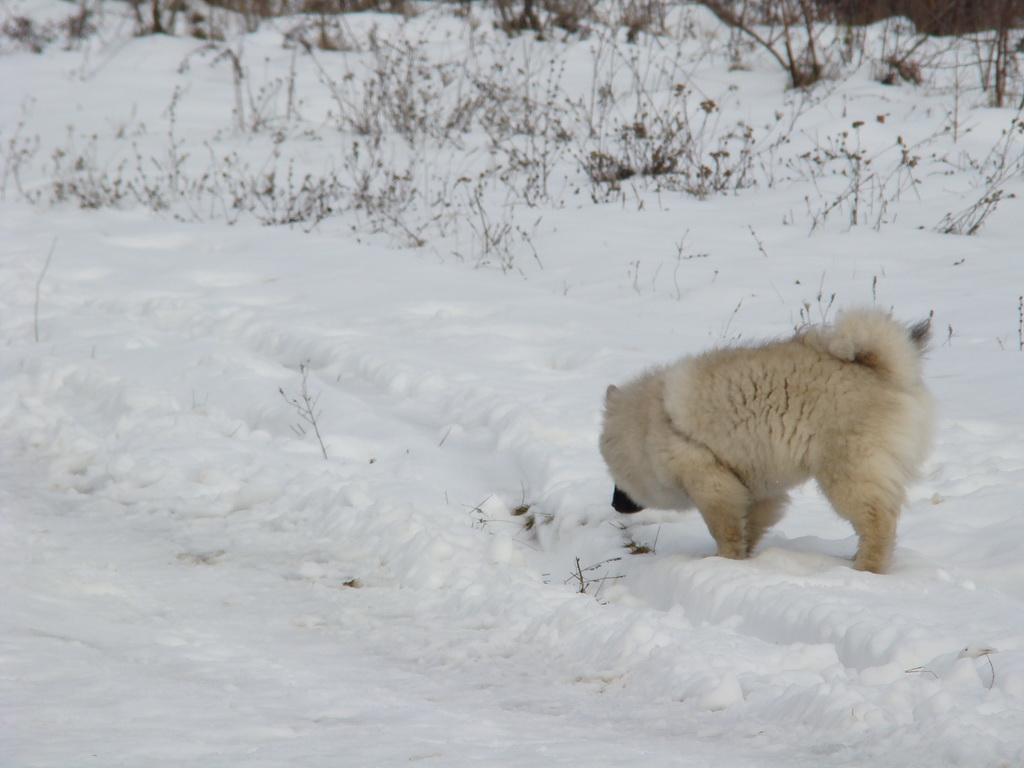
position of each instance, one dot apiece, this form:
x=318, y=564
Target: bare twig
x=305, y=406
x=760, y=245
x=1020, y=323
x=725, y=331
x=726, y=15
x=39, y=283
x=579, y=575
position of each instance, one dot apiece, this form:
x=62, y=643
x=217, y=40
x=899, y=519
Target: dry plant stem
x=726, y=15
x=808, y=16
x=305, y=406
x=760, y=245
x=39, y=284
x=1020, y=323
x=327, y=80
x=579, y=575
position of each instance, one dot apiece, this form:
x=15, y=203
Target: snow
x=186, y=579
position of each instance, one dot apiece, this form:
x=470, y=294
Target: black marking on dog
x=622, y=503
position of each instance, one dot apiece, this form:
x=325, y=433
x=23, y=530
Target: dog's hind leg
x=874, y=509
x=761, y=516
x=876, y=527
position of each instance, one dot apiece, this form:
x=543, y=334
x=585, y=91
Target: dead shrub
x=26, y=35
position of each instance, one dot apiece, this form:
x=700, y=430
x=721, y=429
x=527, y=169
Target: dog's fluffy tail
x=874, y=339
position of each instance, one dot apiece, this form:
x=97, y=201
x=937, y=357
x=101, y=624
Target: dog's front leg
x=728, y=526
x=761, y=516
x=723, y=502
x=877, y=530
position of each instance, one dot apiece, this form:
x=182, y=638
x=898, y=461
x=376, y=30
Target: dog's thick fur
x=732, y=430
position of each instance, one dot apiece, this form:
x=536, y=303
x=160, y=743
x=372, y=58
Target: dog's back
x=778, y=413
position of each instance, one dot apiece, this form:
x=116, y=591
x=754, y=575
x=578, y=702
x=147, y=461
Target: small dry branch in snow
x=305, y=406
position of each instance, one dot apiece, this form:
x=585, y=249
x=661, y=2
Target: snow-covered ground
x=187, y=580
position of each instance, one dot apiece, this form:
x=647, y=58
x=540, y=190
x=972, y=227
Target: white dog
x=732, y=430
